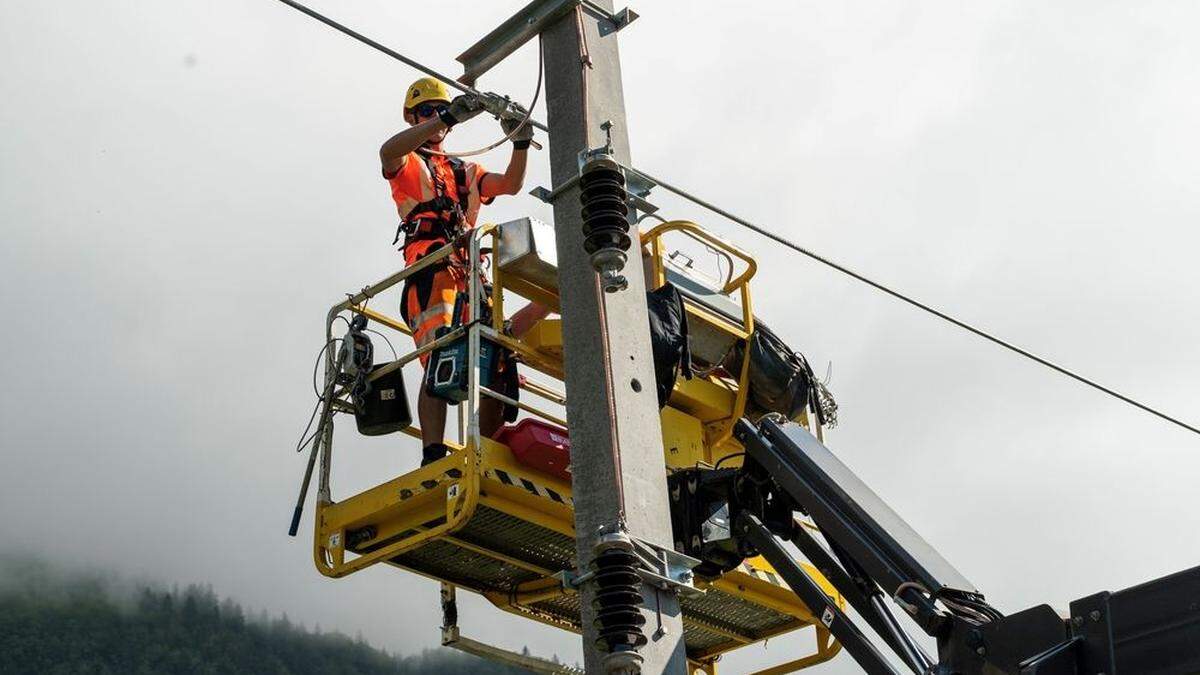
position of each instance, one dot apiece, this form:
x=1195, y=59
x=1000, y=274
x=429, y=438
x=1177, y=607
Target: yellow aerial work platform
x=483, y=521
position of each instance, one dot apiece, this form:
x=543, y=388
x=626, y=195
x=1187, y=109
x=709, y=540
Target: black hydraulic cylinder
x=861, y=599
x=1149, y=629
x=852, y=515
x=822, y=606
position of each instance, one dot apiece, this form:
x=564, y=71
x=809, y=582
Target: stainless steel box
x=527, y=249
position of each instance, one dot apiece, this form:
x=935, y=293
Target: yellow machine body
x=481, y=520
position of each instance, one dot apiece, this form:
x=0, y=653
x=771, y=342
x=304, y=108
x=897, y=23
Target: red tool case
x=539, y=445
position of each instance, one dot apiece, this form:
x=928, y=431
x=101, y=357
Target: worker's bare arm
x=509, y=182
x=394, y=151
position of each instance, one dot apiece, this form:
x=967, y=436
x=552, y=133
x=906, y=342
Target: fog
x=186, y=187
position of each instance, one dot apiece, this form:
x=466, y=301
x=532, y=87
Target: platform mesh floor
x=520, y=539
x=713, y=613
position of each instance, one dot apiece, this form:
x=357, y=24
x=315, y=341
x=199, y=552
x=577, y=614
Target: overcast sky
x=186, y=186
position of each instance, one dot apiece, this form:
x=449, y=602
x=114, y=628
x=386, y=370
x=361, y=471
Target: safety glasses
x=429, y=109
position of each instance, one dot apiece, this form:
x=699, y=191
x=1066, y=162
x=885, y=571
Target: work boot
x=433, y=453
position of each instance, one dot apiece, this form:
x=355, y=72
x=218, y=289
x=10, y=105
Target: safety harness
x=451, y=215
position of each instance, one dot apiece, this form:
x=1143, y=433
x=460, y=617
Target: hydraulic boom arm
x=870, y=554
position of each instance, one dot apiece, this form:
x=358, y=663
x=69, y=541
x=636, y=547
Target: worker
x=438, y=198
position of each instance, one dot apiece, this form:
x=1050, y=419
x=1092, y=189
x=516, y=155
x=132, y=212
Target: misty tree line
x=81, y=626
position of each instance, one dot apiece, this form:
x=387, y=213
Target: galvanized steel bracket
x=639, y=188
x=661, y=567
x=666, y=568
x=527, y=24
x=610, y=22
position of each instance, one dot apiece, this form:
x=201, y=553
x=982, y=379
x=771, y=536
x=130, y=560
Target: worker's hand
x=523, y=137
x=461, y=109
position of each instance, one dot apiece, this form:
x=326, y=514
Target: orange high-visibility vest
x=436, y=197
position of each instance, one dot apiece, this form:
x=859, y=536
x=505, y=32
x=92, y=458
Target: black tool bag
x=383, y=409
x=668, y=339
x=781, y=381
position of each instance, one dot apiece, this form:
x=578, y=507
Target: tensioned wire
x=775, y=237
x=432, y=73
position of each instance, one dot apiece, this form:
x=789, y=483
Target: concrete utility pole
x=616, y=436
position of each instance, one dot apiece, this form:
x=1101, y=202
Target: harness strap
x=444, y=226
x=439, y=204
x=460, y=185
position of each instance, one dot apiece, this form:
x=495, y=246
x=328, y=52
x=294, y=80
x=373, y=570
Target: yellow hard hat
x=425, y=89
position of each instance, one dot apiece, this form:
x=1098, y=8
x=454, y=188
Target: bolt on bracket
x=610, y=22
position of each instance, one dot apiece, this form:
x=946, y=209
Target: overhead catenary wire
x=915, y=303
x=449, y=81
x=771, y=235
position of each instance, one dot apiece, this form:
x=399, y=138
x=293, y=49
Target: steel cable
x=537, y=92
x=915, y=303
x=396, y=55
x=768, y=234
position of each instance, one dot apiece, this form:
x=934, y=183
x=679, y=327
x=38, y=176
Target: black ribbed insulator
x=605, y=220
x=618, y=601
x=605, y=213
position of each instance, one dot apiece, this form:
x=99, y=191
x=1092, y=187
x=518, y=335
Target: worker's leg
x=428, y=299
x=491, y=411
x=491, y=416
x=431, y=413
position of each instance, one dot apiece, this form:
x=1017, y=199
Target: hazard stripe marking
x=531, y=487
x=528, y=485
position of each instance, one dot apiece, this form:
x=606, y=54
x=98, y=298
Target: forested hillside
x=54, y=623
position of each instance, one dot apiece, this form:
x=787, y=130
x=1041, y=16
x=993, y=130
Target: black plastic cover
x=384, y=409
